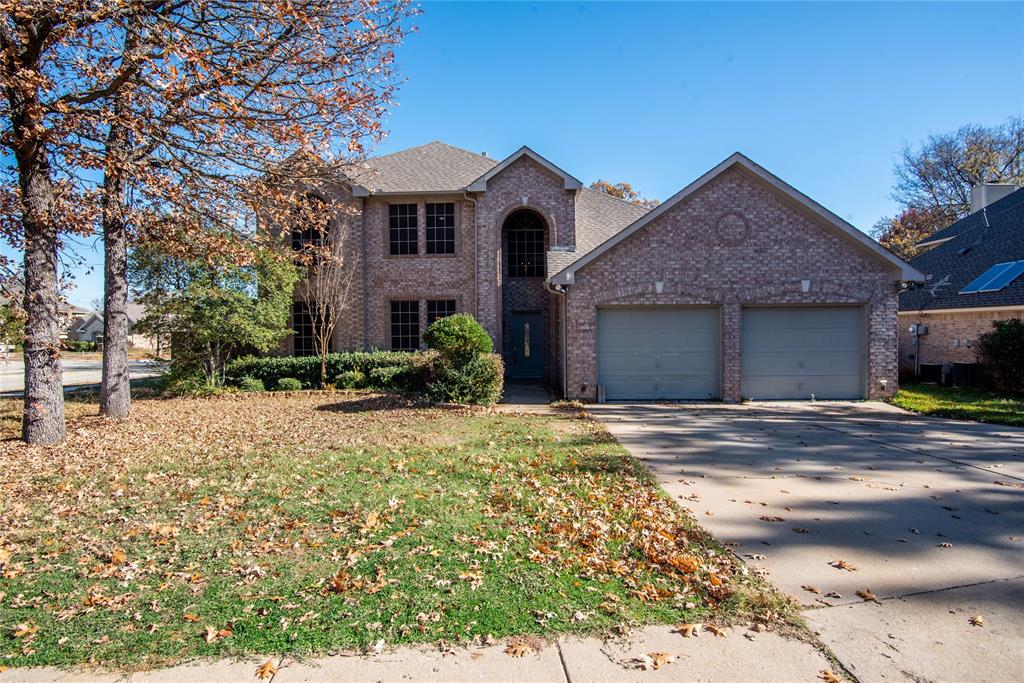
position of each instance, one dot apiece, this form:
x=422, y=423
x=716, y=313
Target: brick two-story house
x=737, y=286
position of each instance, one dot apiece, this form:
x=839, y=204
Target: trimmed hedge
x=478, y=380
x=353, y=379
x=306, y=369
x=251, y=384
x=288, y=384
x=459, y=338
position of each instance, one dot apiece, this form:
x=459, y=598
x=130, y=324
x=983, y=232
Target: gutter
x=476, y=256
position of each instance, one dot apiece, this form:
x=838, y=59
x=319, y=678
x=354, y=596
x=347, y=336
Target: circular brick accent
x=732, y=228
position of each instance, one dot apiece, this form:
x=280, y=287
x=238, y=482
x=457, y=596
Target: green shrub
x=389, y=377
x=1001, y=353
x=189, y=386
x=350, y=379
x=480, y=380
x=269, y=369
x=251, y=384
x=75, y=345
x=288, y=384
x=459, y=338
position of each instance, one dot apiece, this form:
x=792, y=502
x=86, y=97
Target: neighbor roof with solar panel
x=995, y=278
x=979, y=263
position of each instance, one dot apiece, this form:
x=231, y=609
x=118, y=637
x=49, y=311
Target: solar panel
x=995, y=278
x=1004, y=278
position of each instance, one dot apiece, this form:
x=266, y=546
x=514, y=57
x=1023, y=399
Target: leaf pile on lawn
x=310, y=523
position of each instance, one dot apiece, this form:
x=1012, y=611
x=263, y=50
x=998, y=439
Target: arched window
x=524, y=244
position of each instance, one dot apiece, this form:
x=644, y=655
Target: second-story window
x=441, y=228
x=403, y=232
x=310, y=226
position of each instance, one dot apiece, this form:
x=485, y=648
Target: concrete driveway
x=926, y=514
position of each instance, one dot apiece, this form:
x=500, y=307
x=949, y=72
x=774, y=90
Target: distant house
x=974, y=269
x=90, y=328
x=68, y=315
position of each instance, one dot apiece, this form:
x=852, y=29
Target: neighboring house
x=974, y=269
x=68, y=315
x=737, y=286
x=90, y=329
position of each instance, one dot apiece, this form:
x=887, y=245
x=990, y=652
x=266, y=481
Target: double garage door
x=674, y=352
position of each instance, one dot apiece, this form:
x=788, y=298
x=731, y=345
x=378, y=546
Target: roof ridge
x=429, y=144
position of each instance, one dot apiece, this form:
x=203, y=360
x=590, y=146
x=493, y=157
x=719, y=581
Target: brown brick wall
x=951, y=337
x=733, y=243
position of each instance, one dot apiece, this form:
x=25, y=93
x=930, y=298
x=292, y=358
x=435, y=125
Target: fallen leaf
x=829, y=677
x=191, y=618
x=867, y=596
x=518, y=648
x=687, y=630
x=976, y=620
x=651, y=660
x=771, y=518
x=210, y=634
x=715, y=630
x=25, y=629
x=266, y=670
x=811, y=589
x=843, y=564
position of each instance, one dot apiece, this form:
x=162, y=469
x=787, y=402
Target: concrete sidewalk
x=739, y=656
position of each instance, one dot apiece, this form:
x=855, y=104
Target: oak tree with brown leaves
x=181, y=106
x=623, y=191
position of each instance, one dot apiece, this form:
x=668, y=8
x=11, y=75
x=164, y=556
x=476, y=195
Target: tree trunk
x=43, y=420
x=115, y=389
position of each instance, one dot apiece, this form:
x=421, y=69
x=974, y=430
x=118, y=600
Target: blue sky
x=824, y=95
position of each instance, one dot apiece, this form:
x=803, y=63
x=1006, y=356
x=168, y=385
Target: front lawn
x=317, y=522
x=960, y=404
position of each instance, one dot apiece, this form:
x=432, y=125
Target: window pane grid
x=402, y=223
x=302, y=326
x=525, y=245
x=405, y=325
x=441, y=308
x=441, y=228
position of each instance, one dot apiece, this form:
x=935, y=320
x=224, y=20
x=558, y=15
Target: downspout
x=366, y=279
x=476, y=257
x=563, y=291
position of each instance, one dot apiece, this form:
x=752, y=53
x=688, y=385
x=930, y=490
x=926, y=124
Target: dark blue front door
x=527, y=346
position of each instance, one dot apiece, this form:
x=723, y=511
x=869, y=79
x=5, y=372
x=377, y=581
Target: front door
x=527, y=346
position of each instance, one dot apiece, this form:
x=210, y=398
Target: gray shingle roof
x=440, y=167
x=983, y=245
x=598, y=217
x=434, y=167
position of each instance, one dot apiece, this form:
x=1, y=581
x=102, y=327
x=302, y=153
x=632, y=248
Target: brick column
x=731, y=320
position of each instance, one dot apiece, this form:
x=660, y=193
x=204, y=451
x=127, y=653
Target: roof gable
x=737, y=160
x=568, y=182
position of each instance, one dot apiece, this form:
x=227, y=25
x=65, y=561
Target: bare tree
x=934, y=181
x=321, y=234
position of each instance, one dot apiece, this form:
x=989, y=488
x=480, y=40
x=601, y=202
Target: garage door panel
x=800, y=352
x=660, y=352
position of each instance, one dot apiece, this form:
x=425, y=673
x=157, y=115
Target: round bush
x=353, y=379
x=288, y=384
x=251, y=384
x=458, y=338
x=480, y=381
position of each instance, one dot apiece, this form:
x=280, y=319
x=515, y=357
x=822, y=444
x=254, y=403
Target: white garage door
x=800, y=352
x=658, y=352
